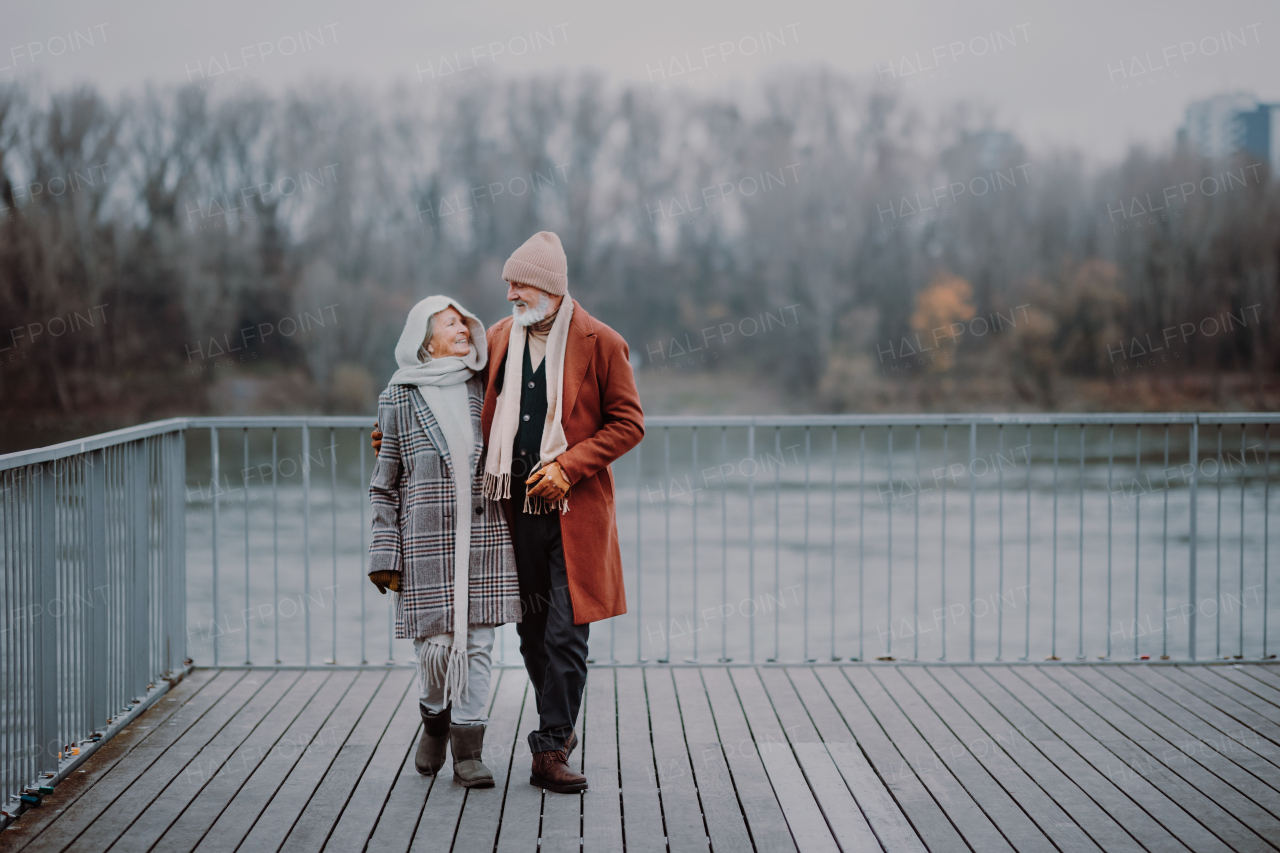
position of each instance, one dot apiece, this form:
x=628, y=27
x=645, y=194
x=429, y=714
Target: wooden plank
x=1228, y=697
x=726, y=826
x=271, y=829
x=927, y=817
x=1134, y=731
x=763, y=812
x=400, y=815
x=977, y=828
x=522, y=805
x=19, y=834
x=681, y=806
x=799, y=806
x=844, y=818
x=245, y=808
x=213, y=761
x=211, y=707
x=601, y=804
x=1075, y=802
x=1193, y=747
x=1014, y=824
x=478, y=828
x=1236, y=674
x=562, y=813
x=945, y=724
x=886, y=819
x=325, y=806
x=360, y=816
x=204, y=811
x=1268, y=674
x=1085, y=760
x=641, y=803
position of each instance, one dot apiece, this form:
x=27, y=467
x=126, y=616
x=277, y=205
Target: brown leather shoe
x=551, y=772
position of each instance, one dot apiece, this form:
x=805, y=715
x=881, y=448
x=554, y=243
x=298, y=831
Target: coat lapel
x=430, y=425
x=578, y=352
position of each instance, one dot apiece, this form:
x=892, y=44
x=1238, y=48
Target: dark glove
x=385, y=580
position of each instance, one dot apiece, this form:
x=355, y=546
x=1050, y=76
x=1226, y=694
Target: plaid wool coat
x=412, y=493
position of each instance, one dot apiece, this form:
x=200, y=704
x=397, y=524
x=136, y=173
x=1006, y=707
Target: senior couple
x=493, y=455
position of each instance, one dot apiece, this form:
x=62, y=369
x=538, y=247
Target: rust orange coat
x=602, y=421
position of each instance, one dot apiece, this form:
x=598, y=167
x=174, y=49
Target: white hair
x=532, y=313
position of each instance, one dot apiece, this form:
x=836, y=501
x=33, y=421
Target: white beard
x=532, y=313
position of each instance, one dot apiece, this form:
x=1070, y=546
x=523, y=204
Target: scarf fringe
x=534, y=505
x=496, y=486
x=447, y=664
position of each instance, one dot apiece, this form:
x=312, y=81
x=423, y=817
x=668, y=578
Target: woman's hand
x=377, y=438
x=386, y=580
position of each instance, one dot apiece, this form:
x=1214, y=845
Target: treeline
x=158, y=249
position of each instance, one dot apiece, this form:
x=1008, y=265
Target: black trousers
x=554, y=649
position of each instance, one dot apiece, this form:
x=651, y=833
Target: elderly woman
x=429, y=518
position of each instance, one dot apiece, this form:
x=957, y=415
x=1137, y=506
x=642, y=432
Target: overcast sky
x=1098, y=75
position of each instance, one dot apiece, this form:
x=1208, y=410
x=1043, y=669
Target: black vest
x=533, y=415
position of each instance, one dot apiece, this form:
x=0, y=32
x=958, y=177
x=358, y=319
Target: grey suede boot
x=467, y=743
x=435, y=737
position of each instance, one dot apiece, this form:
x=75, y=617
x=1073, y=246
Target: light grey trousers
x=474, y=709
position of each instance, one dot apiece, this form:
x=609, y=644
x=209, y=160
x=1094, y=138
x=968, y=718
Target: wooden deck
x=863, y=757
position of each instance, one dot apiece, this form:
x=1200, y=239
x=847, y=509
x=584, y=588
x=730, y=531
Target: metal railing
x=241, y=541
x=91, y=556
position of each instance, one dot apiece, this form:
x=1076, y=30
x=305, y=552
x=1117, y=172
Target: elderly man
x=560, y=405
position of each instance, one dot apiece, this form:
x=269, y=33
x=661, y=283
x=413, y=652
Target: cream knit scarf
x=506, y=416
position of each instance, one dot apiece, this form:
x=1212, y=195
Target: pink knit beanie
x=539, y=263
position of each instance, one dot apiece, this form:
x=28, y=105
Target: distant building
x=1224, y=125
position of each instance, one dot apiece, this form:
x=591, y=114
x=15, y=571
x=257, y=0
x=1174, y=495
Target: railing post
x=45, y=634
x=99, y=595
x=175, y=570
x=1191, y=565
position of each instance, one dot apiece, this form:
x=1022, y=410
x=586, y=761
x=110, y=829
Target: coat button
x=479, y=510
x=530, y=384
x=524, y=453
x=526, y=417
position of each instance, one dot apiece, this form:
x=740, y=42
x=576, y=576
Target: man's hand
x=377, y=438
x=385, y=580
x=548, y=482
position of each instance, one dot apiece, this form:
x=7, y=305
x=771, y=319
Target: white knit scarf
x=444, y=656
x=506, y=416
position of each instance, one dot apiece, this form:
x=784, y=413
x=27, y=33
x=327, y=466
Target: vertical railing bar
x=639, y=564
x=1266, y=530
x=1193, y=544
x=1080, y=586
x=973, y=537
x=806, y=542
x=1111, y=434
x=751, y=543
x=1217, y=582
x=1053, y=640
x=306, y=539
x=724, y=545
x=777, y=539
x=693, y=493
x=862, y=504
x=1026, y=599
x=213, y=444
x=362, y=484
x=942, y=568
x=1164, y=550
x=888, y=564
x=833, y=543
x=244, y=475
x=333, y=518
x=999, y=540
x=1137, y=533
x=915, y=569
x=275, y=540
x=1243, y=478
x=46, y=632
x=666, y=539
